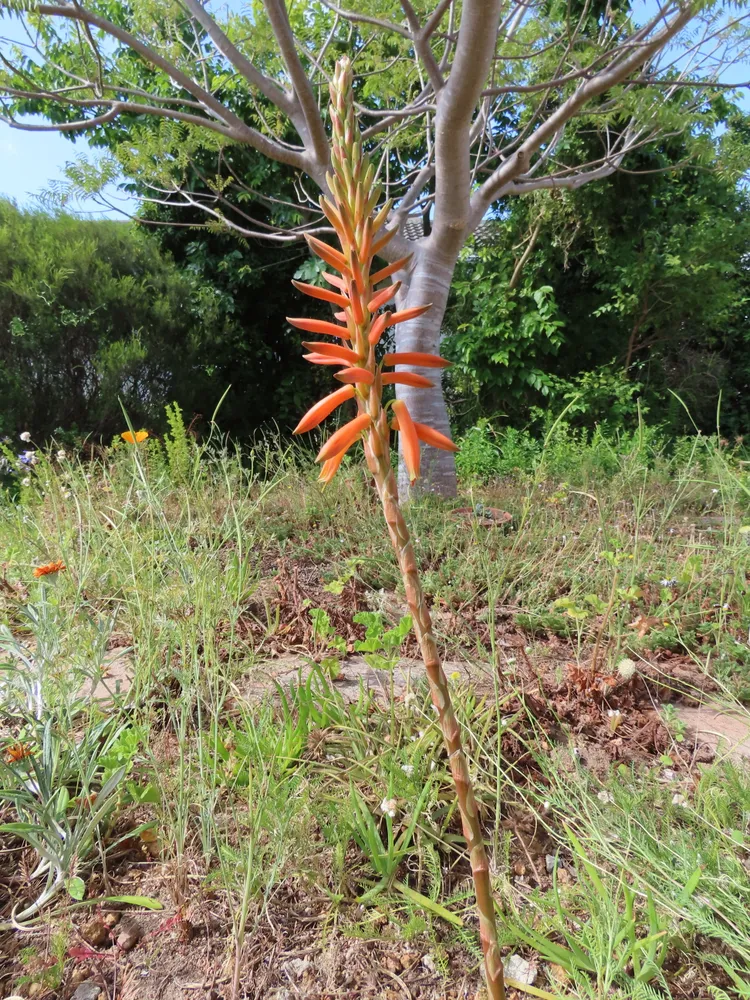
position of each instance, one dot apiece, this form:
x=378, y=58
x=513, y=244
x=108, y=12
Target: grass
x=620, y=863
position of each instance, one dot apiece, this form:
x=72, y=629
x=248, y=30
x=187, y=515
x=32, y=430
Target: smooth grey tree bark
x=491, y=113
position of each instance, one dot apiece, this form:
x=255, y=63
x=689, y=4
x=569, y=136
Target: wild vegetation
x=188, y=722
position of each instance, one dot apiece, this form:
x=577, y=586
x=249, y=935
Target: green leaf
x=76, y=887
x=428, y=904
x=146, y=902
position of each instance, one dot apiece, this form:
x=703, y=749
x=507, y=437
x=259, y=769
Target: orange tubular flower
x=415, y=358
x=332, y=351
x=328, y=254
x=53, y=567
x=383, y=296
x=407, y=378
x=323, y=359
x=344, y=438
x=359, y=375
x=386, y=272
x=377, y=328
x=405, y=314
x=315, y=292
x=322, y=409
x=429, y=436
x=409, y=439
x=319, y=326
x=330, y=468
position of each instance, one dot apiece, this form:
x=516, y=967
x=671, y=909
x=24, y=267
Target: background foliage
x=611, y=300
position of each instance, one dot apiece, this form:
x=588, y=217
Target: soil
x=297, y=945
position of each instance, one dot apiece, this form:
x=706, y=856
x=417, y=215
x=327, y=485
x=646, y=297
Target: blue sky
x=32, y=161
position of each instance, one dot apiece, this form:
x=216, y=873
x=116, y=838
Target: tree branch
x=422, y=47
x=242, y=132
x=241, y=63
x=305, y=97
x=618, y=71
x=475, y=48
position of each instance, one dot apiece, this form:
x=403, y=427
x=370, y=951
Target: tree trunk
x=429, y=280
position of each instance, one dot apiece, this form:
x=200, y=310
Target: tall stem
x=378, y=460
x=362, y=237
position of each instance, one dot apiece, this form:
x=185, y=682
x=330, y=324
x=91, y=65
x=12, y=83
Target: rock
x=551, y=862
x=95, y=932
x=128, y=936
x=87, y=991
x=519, y=969
x=111, y=918
x=80, y=975
x=429, y=963
x=297, y=967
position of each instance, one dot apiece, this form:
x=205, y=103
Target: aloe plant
x=361, y=229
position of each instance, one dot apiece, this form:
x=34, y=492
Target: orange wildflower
x=53, y=567
x=407, y=378
x=409, y=439
x=416, y=358
x=351, y=207
x=16, y=752
x=321, y=410
x=136, y=438
x=344, y=437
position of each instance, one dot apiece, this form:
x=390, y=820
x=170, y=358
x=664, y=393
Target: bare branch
x=355, y=17
x=456, y=102
x=305, y=98
x=618, y=71
x=241, y=63
x=117, y=108
x=422, y=47
x=241, y=132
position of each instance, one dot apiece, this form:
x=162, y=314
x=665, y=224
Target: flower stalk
x=362, y=317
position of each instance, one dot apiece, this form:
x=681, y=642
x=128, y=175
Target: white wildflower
x=388, y=807
x=61, y=456
x=679, y=800
x=626, y=668
x=668, y=583
x=26, y=481
x=25, y=436
x=408, y=769
x=606, y=797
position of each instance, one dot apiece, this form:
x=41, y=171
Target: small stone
x=95, y=932
x=128, y=936
x=429, y=963
x=79, y=975
x=111, y=918
x=519, y=969
x=551, y=862
x=87, y=991
x=297, y=967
